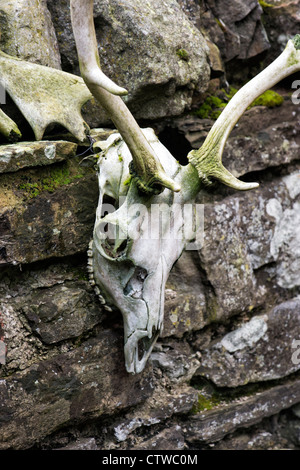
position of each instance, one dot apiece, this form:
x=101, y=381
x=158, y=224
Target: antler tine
x=208, y=159
x=86, y=44
x=147, y=170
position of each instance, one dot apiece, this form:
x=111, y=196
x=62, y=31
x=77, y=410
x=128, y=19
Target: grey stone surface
x=27, y=32
x=14, y=157
x=260, y=349
x=225, y=372
x=152, y=50
x=213, y=425
x=41, y=213
x=84, y=382
x=238, y=32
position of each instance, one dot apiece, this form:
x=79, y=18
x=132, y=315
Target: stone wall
x=225, y=372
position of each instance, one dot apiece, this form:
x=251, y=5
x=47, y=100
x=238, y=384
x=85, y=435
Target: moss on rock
x=52, y=178
x=269, y=98
x=214, y=104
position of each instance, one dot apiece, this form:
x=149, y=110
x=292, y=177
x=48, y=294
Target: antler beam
x=147, y=170
x=208, y=159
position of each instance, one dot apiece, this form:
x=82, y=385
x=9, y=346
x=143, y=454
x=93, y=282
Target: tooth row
x=91, y=277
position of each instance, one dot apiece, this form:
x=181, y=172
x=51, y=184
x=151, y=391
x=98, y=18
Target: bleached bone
x=44, y=96
x=136, y=244
x=208, y=159
x=128, y=265
x=149, y=173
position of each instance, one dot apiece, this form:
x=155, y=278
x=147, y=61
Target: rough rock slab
x=213, y=425
x=86, y=382
x=81, y=444
x=46, y=212
x=260, y=349
x=281, y=20
x=243, y=234
x=170, y=438
x=42, y=307
x=185, y=302
x=151, y=49
x=61, y=312
x=239, y=31
x=14, y=157
x=27, y=32
x=160, y=406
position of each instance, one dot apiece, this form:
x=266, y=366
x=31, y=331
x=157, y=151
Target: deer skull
x=128, y=265
x=136, y=244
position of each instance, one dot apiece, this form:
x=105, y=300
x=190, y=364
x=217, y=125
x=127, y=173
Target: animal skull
x=135, y=246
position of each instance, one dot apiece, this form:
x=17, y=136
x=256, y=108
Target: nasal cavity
x=134, y=287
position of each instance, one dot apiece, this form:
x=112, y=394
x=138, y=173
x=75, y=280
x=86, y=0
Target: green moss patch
x=49, y=179
x=214, y=105
x=205, y=403
x=269, y=98
x=182, y=54
x=264, y=4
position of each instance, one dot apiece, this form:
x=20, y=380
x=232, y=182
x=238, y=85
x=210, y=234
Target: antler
x=208, y=159
x=146, y=168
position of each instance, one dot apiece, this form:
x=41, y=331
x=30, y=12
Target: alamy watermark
x=296, y=353
x=296, y=93
x=2, y=94
x=182, y=222
x=2, y=352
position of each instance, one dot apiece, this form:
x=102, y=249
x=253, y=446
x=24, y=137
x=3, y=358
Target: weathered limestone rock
x=260, y=349
x=14, y=157
x=212, y=425
x=44, y=306
x=46, y=212
x=178, y=363
x=236, y=29
x=226, y=261
x=157, y=409
x=193, y=11
x=246, y=232
x=281, y=20
x=82, y=444
x=62, y=312
x=185, y=301
x=27, y=32
x=84, y=382
x=154, y=51
x=170, y=438
x=283, y=435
